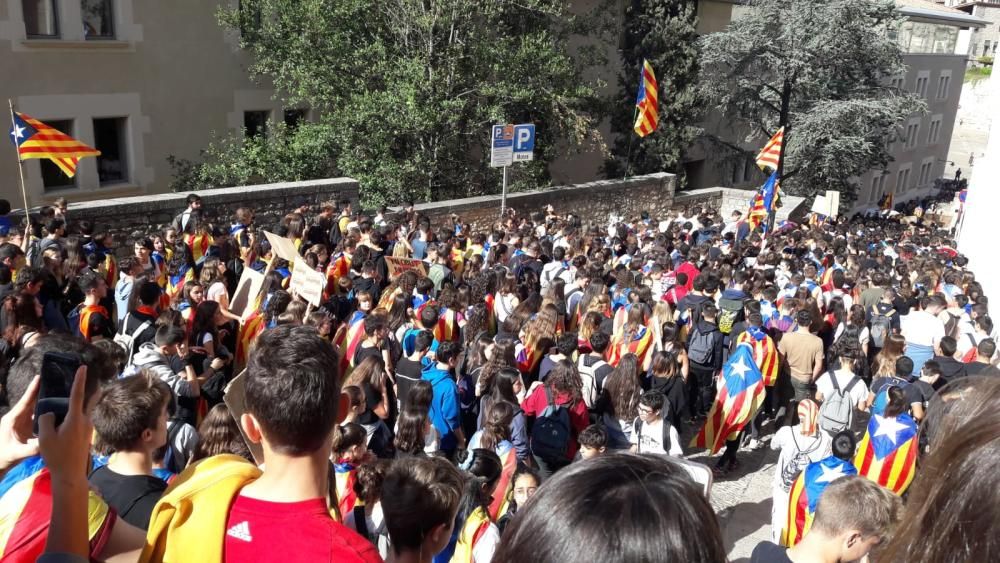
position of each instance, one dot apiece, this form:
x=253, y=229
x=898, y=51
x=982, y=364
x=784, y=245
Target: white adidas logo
x=241, y=531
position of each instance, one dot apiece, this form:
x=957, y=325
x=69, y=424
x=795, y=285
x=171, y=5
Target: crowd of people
x=518, y=392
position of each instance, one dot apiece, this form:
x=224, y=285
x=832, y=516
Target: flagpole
x=20, y=172
x=631, y=139
x=772, y=211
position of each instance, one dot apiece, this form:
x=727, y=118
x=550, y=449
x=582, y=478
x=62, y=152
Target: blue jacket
x=445, y=411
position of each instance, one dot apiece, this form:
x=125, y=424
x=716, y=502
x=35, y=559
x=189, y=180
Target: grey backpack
x=837, y=412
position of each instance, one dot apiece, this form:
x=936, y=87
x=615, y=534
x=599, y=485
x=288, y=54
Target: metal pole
x=503, y=198
x=20, y=171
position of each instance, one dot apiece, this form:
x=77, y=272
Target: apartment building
x=139, y=80
x=984, y=41
x=935, y=57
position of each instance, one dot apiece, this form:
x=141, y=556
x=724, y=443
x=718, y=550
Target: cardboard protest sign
x=397, y=266
x=307, y=283
x=235, y=399
x=283, y=248
x=247, y=290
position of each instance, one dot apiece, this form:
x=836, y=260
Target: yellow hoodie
x=189, y=521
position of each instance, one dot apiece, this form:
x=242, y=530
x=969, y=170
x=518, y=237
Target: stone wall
x=593, y=202
x=135, y=217
x=131, y=218
x=728, y=199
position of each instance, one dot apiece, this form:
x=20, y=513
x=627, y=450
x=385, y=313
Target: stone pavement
x=742, y=499
x=972, y=125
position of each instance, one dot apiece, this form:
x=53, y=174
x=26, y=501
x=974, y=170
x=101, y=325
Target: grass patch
x=978, y=73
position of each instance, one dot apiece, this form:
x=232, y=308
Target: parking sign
x=524, y=142
x=502, y=144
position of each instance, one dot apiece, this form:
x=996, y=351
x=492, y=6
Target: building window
x=40, y=18
x=944, y=85
x=922, y=79
x=902, y=180
x=255, y=123
x=873, y=194
x=925, y=172
x=878, y=187
x=986, y=48
x=110, y=137
x=897, y=83
x=934, y=131
x=98, y=19
x=53, y=178
x=294, y=117
x=912, y=130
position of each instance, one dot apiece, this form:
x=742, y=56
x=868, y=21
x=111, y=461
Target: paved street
x=975, y=113
x=743, y=500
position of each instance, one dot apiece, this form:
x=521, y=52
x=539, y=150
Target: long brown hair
x=496, y=424
x=947, y=516
x=885, y=362
x=220, y=434
x=623, y=388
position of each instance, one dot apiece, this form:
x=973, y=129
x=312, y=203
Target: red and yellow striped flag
x=739, y=397
x=771, y=153
x=646, y=102
x=35, y=139
x=887, y=454
x=765, y=354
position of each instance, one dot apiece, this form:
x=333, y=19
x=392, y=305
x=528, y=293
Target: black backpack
x=551, y=432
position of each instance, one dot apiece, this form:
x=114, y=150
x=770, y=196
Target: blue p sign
x=524, y=138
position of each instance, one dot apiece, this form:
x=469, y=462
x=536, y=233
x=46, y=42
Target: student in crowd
x=854, y=516
x=131, y=423
x=525, y=483
x=593, y=441
x=559, y=414
x=662, y=516
x=292, y=394
x=798, y=446
x=444, y=412
x=652, y=433
x=420, y=499
x=368, y=518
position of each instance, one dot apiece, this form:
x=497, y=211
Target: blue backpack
x=882, y=396
x=551, y=433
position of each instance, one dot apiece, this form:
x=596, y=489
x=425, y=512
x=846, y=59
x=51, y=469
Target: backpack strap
x=360, y=524
x=850, y=385
x=833, y=379
x=637, y=428
x=549, y=401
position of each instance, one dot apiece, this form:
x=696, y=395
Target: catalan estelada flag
x=26, y=511
x=736, y=403
x=887, y=454
x=447, y=329
x=647, y=108
x=765, y=353
x=345, y=474
x=35, y=139
x=771, y=153
x=338, y=268
x=805, y=492
x=501, y=497
x=639, y=344
x=249, y=331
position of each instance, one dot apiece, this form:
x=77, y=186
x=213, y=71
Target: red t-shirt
x=691, y=271
x=261, y=531
x=535, y=403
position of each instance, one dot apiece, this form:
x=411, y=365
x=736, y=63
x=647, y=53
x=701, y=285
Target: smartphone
x=58, y=373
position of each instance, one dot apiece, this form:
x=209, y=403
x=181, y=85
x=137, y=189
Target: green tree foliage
x=663, y=32
x=821, y=68
x=285, y=154
x=406, y=90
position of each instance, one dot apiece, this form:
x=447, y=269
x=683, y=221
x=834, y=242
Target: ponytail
x=347, y=436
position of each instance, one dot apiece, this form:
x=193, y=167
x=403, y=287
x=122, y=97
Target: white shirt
x=858, y=393
x=790, y=445
x=922, y=328
x=650, y=438
x=376, y=528
x=483, y=550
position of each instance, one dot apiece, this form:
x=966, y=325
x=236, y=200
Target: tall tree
x=407, y=89
x=664, y=33
x=820, y=68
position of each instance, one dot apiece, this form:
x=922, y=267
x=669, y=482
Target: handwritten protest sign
x=307, y=283
x=397, y=266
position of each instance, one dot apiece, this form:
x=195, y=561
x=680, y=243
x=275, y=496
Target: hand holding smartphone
x=56, y=382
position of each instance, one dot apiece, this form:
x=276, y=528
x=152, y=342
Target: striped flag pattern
x=249, y=331
x=646, y=102
x=887, y=454
x=505, y=485
x=765, y=354
x=447, y=328
x=804, y=495
x=771, y=153
x=35, y=139
x=338, y=268
x=738, y=398
x=26, y=512
x=638, y=345
x=345, y=475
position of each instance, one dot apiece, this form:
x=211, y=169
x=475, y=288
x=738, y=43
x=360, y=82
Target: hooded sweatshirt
x=150, y=358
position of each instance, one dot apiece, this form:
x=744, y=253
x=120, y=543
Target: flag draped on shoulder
x=739, y=396
x=887, y=454
x=805, y=492
x=771, y=153
x=35, y=139
x=647, y=114
x=765, y=353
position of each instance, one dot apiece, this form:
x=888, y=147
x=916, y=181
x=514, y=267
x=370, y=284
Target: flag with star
x=739, y=396
x=35, y=139
x=888, y=452
x=805, y=492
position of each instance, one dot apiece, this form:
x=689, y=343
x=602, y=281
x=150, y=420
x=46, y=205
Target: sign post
x=510, y=144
